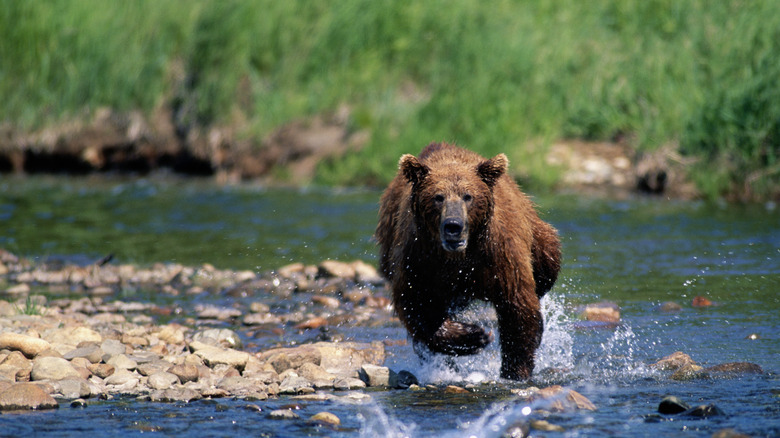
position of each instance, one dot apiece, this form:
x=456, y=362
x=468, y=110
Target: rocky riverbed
x=66, y=337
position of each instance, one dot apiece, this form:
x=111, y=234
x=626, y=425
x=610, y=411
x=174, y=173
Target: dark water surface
x=637, y=253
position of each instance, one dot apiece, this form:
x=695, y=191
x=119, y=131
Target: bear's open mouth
x=454, y=245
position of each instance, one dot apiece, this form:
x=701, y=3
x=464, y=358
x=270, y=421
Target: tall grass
x=495, y=76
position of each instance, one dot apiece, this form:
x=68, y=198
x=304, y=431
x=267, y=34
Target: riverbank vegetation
x=695, y=76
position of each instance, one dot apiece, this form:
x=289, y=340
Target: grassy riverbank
x=697, y=75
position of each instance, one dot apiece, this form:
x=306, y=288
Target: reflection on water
x=637, y=253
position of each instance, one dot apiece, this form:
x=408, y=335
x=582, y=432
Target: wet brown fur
x=511, y=257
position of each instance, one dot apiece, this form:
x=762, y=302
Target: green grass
x=494, y=76
x=30, y=308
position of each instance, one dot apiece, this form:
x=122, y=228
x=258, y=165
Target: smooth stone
x=672, y=405
x=122, y=377
x=674, y=361
x=175, y=395
x=545, y=426
x=703, y=411
x=326, y=418
x=405, y=379
x=122, y=362
x=213, y=356
x=452, y=389
x=348, y=383
x=92, y=353
x=53, y=368
x=112, y=347
x=602, y=312
x=689, y=372
x=315, y=373
x=23, y=396
x=171, y=334
x=16, y=367
x=560, y=403
x=78, y=403
x=736, y=368
x=185, y=372
x=156, y=366
x=27, y=345
x=101, y=370
x=162, y=380
x=670, y=306
x=235, y=385
x=73, y=388
x=337, y=269
x=283, y=414
x=729, y=433
x=222, y=338
x=295, y=385
x=375, y=375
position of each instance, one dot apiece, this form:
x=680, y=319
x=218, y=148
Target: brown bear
x=454, y=227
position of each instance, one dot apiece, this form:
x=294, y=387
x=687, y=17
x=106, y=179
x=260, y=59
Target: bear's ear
x=413, y=169
x=491, y=170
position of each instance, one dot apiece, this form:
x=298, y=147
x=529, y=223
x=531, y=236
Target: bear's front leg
x=520, y=332
x=459, y=338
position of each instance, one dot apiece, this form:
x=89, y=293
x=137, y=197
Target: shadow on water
x=636, y=253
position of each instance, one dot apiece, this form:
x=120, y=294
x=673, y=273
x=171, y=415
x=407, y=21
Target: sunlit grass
x=494, y=76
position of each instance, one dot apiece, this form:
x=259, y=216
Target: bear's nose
x=452, y=228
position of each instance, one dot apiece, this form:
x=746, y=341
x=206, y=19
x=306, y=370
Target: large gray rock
x=73, y=388
x=22, y=396
x=53, y=368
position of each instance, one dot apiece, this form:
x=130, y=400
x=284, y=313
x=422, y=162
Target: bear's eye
x=467, y=197
x=439, y=198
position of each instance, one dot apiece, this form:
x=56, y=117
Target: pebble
x=452, y=389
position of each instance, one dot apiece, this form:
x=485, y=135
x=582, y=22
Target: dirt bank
x=112, y=141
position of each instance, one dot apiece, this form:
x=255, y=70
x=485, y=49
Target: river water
x=637, y=253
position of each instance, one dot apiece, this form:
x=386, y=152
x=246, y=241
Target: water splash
x=376, y=422
x=557, y=349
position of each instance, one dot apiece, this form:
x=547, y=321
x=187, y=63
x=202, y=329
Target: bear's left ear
x=491, y=170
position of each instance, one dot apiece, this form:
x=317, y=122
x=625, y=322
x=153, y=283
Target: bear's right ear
x=412, y=168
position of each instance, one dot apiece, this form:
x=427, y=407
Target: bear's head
x=452, y=199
